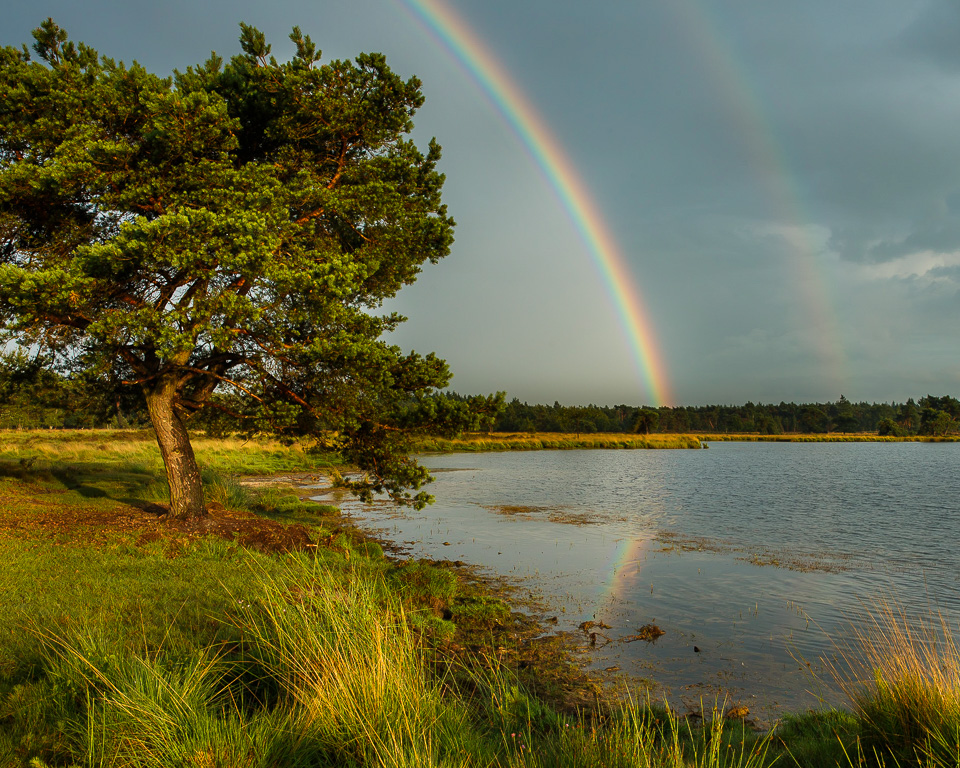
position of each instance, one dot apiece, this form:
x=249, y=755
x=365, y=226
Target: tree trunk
x=183, y=475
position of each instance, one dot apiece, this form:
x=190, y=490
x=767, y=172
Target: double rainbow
x=473, y=55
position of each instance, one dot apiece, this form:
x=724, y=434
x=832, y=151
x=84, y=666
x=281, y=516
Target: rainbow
x=771, y=168
x=469, y=50
x=625, y=568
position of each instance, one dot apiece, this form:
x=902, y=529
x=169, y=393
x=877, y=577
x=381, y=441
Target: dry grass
x=901, y=672
x=513, y=441
x=818, y=437
x=138, y=448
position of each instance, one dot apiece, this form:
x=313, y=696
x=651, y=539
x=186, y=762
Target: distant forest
x=930, y=415
x=32, y=396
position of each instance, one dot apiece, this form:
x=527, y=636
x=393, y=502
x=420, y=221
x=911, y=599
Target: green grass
x=325, y=673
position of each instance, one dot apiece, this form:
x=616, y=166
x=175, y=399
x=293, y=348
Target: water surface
x=753, y=558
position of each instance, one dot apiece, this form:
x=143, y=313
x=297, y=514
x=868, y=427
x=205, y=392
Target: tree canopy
x=224, y=238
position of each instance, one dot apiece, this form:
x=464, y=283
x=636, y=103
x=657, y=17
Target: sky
x=743, y=200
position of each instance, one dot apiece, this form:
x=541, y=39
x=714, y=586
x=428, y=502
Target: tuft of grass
x=226, y=491
x=901, y=672
x=350, y=664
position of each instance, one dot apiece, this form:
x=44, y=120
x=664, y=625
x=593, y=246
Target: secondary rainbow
x=473, y=55
x=771, y=168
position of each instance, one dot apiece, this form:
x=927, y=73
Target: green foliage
x=646, y=421
x=32, y=395
x=751, y=418
x=890, y=428
x=936, y=422
x=224, y=237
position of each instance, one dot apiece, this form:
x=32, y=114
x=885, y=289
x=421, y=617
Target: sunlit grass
x=901, y=672
x=817, y=437
x=137, y=449
x=327, y=671
x=201, y=653
x=512, y=441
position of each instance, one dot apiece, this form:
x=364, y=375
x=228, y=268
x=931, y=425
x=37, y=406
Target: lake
x=752, y=558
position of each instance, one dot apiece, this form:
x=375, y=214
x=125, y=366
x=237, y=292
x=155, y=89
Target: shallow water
x=757, y=555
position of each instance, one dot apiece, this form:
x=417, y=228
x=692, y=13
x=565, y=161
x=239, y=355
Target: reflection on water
x=675, y=537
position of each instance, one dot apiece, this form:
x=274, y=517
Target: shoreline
x=583, y=649
x=477, y=442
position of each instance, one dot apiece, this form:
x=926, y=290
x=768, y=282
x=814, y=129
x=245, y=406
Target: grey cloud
x=935, y=35
x=937, y=231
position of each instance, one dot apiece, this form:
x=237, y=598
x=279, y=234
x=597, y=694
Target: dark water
x=758, y=554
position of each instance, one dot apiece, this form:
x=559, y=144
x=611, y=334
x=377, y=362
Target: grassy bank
x=278, y=637
x=512, y=441
x=832, y=437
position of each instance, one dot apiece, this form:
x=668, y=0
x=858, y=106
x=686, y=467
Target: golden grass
x=112, y=447
x=513, y=441
x=901, y=672
x=816, y=437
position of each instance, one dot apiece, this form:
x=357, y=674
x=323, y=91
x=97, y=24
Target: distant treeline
x=32, y=396
x=929, y=415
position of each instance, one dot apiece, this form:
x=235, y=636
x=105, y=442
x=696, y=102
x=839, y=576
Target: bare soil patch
x=33, y=511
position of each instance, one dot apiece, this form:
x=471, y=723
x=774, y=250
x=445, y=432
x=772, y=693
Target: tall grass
x=142, y=710
x=330, y=672
x=901, y=672
x=353, y=669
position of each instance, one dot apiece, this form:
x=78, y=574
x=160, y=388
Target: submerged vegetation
x=274, y=635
